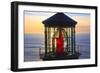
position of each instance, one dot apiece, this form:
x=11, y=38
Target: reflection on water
x=32, y=43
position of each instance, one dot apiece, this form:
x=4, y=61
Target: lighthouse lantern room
x=59, y=38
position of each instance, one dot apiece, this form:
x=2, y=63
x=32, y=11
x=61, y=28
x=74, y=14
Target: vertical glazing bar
x=74, y=41
x=69, y=40
x=70, y=43
x=66, y=39
x=49, y=39
x=45, y=41
x=53, y=41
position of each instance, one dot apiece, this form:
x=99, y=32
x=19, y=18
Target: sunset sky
x=33, y=22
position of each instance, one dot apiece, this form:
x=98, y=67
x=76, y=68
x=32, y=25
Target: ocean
x=33, y=43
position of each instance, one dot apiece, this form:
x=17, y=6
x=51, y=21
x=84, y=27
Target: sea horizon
x=32, y=43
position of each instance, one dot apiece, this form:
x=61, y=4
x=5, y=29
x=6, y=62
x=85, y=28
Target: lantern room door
x=60, y=44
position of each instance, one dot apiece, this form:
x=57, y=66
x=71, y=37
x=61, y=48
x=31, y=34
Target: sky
x=33, y=22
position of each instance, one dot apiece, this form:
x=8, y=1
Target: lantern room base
x=60, y=57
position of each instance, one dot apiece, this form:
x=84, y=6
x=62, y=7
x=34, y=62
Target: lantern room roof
x=59, y=20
